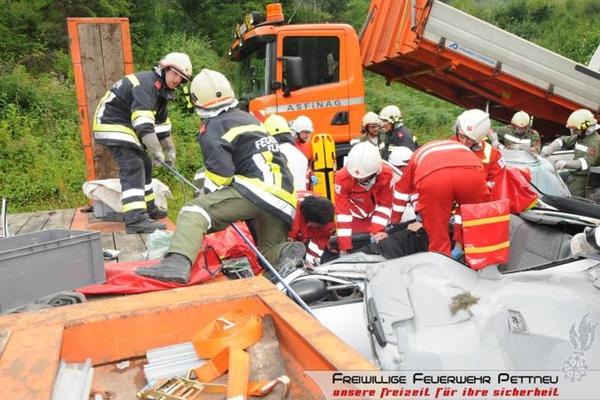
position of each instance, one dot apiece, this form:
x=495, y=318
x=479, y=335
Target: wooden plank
x=35, y=223
x=132, y=247
x=99, y=75
x=16, y=223
x=60, y=219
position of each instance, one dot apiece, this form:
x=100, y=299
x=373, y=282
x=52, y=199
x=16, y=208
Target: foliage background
x=41, y=161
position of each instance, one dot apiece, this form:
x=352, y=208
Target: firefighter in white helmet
x=586, y=143
x=371, y=131
x=363, y=195
x=396, y=133
x=470, y=129
x=302, y=127
x=133, y=118
x=247, y=177
x=519, y=135
x=278, y=127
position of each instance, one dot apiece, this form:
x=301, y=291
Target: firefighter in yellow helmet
x=519, y=135
x=586, y=142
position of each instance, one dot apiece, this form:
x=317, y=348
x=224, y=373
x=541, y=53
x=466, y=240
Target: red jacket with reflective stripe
x=426, y=159
x=354, y=201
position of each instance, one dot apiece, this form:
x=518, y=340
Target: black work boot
x=173, y=268
x=145, y=225
x=291, y=252
x=158, y=213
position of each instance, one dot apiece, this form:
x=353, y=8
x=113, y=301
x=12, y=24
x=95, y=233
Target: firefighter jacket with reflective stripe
x=134, y=107
x=585, y=150
x=399, y=136
x=353, y=201
x=238, y=151
x=509, y=136
x=430, y=157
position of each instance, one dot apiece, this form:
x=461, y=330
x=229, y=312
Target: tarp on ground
x=121, y=279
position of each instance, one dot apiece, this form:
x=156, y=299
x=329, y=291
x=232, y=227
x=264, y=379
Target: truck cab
x=304, y=69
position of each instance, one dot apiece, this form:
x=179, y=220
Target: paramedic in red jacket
x=313, y=224
x=363, y=195
x=491, y=157
x=442, y=172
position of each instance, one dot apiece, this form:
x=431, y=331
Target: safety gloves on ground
x=169, y=148
x=585, y=242
x=152, y=144
x=551, y=148
x=564, y=164
x=173, y=268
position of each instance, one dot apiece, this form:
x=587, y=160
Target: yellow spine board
x=324, y=164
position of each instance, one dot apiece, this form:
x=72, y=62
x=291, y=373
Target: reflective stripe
x=487, y=152
x=457, y=219
x=344, y=232
x=379, y=220
x=486, y=249
x=133, y=193
x=398, y=208
x=317, y=104
x=584, y=164
x=485, y=221
x=136, y=205
x=150, y=197
x=402, y=196
x=199, y=175
x=148, y=187
x=436, y=148
x=344, y=218
x=161, y=128
x=269, y=198
x=312, y=246
x=582, y=147
x=197, y=210
x=516, y=139
x=383, y=210
x=218, y=179
x=239, y=130
x=133, y=79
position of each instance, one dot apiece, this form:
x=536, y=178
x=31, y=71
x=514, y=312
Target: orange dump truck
x=316, y=69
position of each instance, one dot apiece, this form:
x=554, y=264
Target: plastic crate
x=42, y=263
x=103, y=210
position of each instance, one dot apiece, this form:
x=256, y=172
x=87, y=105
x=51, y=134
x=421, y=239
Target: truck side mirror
x=293, y=78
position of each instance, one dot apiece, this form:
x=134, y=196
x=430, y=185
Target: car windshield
x=544, y=179
x=252, y=76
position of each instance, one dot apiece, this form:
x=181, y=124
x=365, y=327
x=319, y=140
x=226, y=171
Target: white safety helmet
x=211, y=93
x=582, y=120
x=400, y=156
x=520, y=120
x=474, y=124
x=276, y=125
x=390, y=114
x=364, y=160
x=301, y=124
x=179, y=62
x=370, y=118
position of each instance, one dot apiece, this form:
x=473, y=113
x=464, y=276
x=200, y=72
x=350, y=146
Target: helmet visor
x=181, y=74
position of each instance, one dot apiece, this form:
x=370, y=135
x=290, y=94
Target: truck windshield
x=253, y=76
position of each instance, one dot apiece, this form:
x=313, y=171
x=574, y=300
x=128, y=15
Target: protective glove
x=314, y=180
x=494, y=140
x=551, y=148
x=457, y=253
x=169, y=148
x=584, y=242
x=152, y=144
x=571, y=164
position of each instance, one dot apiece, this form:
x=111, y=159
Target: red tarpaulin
x=120, y=278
